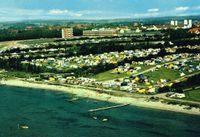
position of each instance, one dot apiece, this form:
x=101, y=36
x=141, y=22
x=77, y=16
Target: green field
x=108, y=76
x=26, y=42
x=163, y=73
x=193, y=95
x=7, y=44
x=2, y=46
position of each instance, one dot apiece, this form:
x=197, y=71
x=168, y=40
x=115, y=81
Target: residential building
x=187, y=23
x=195, y=30
x=67, y=33
x=174, y=23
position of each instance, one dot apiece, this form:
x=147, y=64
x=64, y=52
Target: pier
x=107, y=108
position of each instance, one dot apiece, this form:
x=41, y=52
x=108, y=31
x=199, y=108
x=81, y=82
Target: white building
x=67, y=33
x=187, y=23
x=190, y=24
x=174, y=23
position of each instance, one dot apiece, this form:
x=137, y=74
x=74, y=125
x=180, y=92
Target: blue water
x=50, y=114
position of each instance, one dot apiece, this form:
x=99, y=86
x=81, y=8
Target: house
x=195, y=30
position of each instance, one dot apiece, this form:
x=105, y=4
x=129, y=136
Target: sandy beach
x=140, y=102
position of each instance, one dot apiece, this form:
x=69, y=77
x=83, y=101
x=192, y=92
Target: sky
x=16, y=10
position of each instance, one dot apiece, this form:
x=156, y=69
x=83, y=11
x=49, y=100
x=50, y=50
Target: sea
x=57, y=114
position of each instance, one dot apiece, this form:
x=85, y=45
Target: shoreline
x=139, y=102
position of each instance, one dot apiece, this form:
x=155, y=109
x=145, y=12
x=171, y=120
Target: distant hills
x=152, y=20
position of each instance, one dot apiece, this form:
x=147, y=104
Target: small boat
x=105, y=120
x=95, y=118
x=23, y=126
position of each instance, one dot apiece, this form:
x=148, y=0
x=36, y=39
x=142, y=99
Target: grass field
x=108, y=76
x=163, y=73
x=25, y=42
x=193, y=95
x=7, y=44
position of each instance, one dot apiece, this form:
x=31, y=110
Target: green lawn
x=2, y=46
x=193, y=95
x=7, y=44
x=108, y=76
x=163, y=73
x=26, y=42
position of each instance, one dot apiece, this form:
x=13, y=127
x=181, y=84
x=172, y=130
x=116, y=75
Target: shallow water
x=50, y=114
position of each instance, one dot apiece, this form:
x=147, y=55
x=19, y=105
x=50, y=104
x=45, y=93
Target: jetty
x=107, y=108
x=22, y=126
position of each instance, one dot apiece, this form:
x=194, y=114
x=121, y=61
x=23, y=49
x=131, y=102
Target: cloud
x=197, y=8
x=64, y=13
x=153, y=10
x=181, y=9
x=19, y=12
x=16, y=14
x=57, y=12
x=90, y=12
x=145, y=15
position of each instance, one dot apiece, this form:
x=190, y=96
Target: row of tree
x=36, y=33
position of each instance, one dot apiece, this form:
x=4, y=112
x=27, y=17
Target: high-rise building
x=185, y=22
x=67, y=33
x=174, y=23
x=188, y=23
